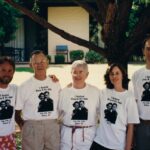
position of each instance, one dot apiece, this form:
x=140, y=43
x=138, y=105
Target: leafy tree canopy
x=8, y=24
x=124, y=25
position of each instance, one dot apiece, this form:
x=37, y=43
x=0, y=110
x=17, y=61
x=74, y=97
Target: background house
x=30, y=35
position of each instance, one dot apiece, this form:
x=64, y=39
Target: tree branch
x=124, y=8
x=101, y=9
x=56, y=30
x=109, y=21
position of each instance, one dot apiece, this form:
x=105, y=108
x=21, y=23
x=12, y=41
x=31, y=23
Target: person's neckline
x=78, y=87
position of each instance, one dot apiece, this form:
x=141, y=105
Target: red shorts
x=7, y=142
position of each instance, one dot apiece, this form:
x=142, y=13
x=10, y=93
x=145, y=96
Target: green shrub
x=136, y=59
x=59, y=59
x=93, y=57
x=49, y=58
x=24, y=69
x=76, y=55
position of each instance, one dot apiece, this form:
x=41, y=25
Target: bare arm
x=54, y=78
x=18, y=118
x=129, y=137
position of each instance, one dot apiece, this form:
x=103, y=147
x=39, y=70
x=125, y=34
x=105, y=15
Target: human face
x=42, y=96
x=116, y=76
x=7, y=102
x=146, y=51
x=39, y=63
x=109, y=106
x=114, y=107
x=79, y=75
x=6, y=73
x=3, y=105
x=81, y=104
x=76, y=105
x=46, y=94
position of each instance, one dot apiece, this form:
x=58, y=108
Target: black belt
x=145, y=121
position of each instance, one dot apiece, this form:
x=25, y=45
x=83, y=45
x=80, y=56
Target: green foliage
x=133, y=19
x=24, y=69
x=93, y=57
x=76, y=55
x=93, y=27
x=36, y=7
x=59, y=59
x=144, y=1
x=136, y=59
x=18, y=141
x=8, y=22
x=49, y=58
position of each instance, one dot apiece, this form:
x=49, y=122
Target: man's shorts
x=7, y=142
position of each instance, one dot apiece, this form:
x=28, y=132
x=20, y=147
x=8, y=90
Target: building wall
x=74, y=20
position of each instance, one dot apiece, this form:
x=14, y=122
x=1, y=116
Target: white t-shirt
x=116, y=111
x=38, y=99
x=72, y=111
x=141, y=84
x=7, y=104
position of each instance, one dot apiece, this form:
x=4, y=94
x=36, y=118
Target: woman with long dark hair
x=115, y=131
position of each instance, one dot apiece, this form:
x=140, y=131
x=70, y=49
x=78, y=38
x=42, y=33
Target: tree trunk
x=1, y=49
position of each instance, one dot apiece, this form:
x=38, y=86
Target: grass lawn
x=18, y=140
x=24, y=69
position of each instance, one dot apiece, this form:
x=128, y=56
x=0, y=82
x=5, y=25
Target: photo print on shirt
x=146, y=92
x=46, y=103
x=6, y=109
x=111, y=110
x=79, y=112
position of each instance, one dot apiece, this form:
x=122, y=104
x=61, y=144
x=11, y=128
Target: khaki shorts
x=40, y=135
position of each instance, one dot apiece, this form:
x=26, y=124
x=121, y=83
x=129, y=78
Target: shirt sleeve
x=132, y=111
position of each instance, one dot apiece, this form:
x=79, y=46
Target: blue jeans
x=142, y=137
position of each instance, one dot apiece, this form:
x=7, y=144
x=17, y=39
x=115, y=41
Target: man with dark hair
x=7, y=91
x=40, y=130
x=141, y=80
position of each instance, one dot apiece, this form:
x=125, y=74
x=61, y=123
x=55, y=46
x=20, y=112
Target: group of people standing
x=80, y=116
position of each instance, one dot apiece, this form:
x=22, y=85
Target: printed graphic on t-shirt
x=46, y=103
x=111, y=113
x=146, y=92
x=79, y=112
x=6, y=109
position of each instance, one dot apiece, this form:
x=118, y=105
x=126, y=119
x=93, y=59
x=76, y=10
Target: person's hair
x=108, y=104
x=125, y=79
x=80, y=63
x=75, y=103
x=41, y=95
x=6, y=59
x=81, y=101
x=145, y=40
x=36, y=52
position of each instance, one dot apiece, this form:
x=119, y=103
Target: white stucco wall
x=74, y=20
